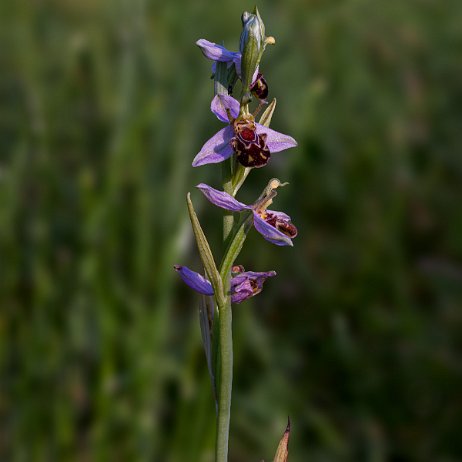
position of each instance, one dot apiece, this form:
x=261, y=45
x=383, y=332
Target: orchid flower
x=244, y=284
x=275, y=227
x=252, y=142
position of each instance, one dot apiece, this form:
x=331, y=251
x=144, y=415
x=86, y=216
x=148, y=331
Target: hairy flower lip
x=250, y=147
x=218, y=148
x=243, y=286
x=268, y=231
x=259, y=87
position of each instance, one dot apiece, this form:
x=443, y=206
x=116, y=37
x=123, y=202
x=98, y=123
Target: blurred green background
x=103, y=106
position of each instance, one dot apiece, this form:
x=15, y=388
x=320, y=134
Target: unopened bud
x=251, y=46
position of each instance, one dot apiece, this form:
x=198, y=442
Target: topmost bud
x=253, y=28
x=252, y=45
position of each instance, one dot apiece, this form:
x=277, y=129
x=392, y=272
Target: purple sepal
x=248, y=284
x=222, y=199
x=216, y=149
x=194, y=280
x=270, y=233
x=217, y=52
x=276, y=141
x=222, y=102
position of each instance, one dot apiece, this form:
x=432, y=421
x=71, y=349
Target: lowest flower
x=244, y=284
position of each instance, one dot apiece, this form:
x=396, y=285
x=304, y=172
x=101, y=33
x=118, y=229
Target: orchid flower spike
x=275, y=227
x=244, y=284
x=252, y=142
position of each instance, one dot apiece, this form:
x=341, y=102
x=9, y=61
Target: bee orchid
x=275, y=227
x=252, y=142
x=244, y=284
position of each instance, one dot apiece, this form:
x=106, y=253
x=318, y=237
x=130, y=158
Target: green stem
x=228, y=217
x=225, y=362
x=225, y=354
x=225, y=381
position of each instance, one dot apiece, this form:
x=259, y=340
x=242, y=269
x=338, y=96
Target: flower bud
x=251, y=46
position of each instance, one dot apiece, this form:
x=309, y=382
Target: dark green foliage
x=104, y=105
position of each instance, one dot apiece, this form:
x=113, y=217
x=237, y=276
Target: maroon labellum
x=259, y=87
x=250, y=147
x=285, y=226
